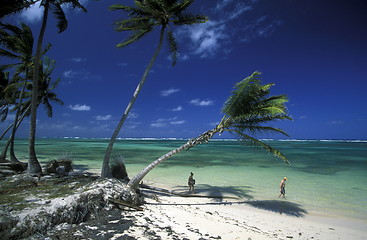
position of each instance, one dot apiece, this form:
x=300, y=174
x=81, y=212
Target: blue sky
x=314, y=51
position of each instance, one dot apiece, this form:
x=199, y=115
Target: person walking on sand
x=282, y=187
x=191, y=183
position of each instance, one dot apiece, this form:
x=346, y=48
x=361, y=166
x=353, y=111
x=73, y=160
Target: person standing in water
x=282, y=187
x=191, y=183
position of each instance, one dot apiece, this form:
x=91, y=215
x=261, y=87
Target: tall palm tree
x=34, y=167
x=246, y=112
x=143, y=18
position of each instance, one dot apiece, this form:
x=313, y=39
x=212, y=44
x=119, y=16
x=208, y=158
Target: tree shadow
x=219, y=193
x=278, y=206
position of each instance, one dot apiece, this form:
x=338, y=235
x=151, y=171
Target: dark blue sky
x=314, y=51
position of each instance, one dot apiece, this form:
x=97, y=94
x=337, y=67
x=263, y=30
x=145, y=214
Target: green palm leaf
x=133, y=38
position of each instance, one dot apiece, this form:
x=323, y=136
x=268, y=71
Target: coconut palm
x=144, y=16
x=246, y=112
x=45, y=98
x=17, y=44
x=34, y=167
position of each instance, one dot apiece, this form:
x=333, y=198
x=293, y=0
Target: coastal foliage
x=143, y=17
x=247, y=111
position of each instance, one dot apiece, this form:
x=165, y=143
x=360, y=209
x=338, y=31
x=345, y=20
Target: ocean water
x=327, y=177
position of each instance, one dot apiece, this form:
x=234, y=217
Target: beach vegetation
x=247, y=112
x=142, y=19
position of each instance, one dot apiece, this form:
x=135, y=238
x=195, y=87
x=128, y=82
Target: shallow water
x=324, y=176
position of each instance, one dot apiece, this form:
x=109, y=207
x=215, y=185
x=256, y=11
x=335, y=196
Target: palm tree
x=45, y=98
x=144, y=16
x=245, y=112
x=34, y=167
x=17, y=44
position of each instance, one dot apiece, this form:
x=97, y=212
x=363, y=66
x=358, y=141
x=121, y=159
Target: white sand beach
x=174, y=217
x=201, y=218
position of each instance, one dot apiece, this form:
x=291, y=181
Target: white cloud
x=122, y=64
x=78, y=59
x=35, y=12
x=215, y=37
x=69, y=74
x=158, y=124
x=178, y=122
x=170, y=91
x=80, y=74
x=32, y=14
x=206, y=38
x=79, y=107
x=163, y=122
x=201, y=103
x=132, y=115
x=177, y=109
x=336, y=122
x=103, y=118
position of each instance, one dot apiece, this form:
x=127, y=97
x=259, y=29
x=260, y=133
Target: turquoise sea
x=328, y=177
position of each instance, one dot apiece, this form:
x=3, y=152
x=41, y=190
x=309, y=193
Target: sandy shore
x=166, y=216
x=200, y=218
x=173, y=217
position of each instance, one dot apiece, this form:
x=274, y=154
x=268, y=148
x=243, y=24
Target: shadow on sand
x=220, y=195
x=218, y=192
x=279, y=206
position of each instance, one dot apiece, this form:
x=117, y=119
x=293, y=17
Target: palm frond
x=243, y=95
x=132, y=10
x=133, y=38
x=45, y=50
x=173, y=47
x=133, y=24
x=179, y=7
x=76, y=4
x=189, y=19
x=8, y=54
x=62, y=22
x=266, y=147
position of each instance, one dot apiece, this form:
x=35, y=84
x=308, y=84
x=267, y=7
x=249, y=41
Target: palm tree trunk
x=5, y=150
x=134, y=182
x=33, y=165
x=106, y=172
x=6, y=130
x=13, y=158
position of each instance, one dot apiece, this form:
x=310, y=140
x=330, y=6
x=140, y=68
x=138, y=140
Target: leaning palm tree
x=144, y=17
x=55, y=5
x=245, y=112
